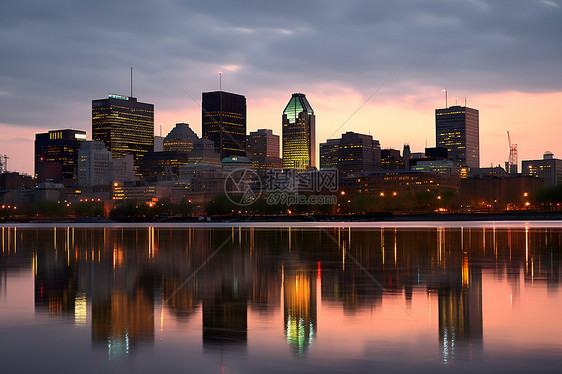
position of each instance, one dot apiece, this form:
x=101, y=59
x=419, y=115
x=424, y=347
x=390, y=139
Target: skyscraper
x=457, y=129
x=224, y=122
x=56, y=155
x=299, y=134
x=125, y=125
x=263, y=150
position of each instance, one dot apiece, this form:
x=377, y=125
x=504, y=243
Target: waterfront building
x=56, y=155
x=549, y=169
x=125, y=125
x=205, y=181
x=457, y=130
x=392, y=183
x=299, y=134
x=489, y=172
x=224, y=122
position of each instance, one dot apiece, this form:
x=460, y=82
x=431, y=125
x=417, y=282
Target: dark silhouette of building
x=263, y=150
x=224, y=122
x=299, y=134
x=356, y=153
x=457, y=130
x=180, y=139
x=329, y=153
x=125, y=125
x=165, y=163
x=391, y=159
x=56, y=155
x=406, y=155
x=12, y=180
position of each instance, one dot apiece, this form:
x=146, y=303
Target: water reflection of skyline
x=122, y=275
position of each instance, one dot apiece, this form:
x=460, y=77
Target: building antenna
x=220, y=81
x=445, y=90
x=131, y=81
x=465, y=101
x=161, y=129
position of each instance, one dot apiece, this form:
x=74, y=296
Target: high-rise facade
x=457, y=129
x=125, y=125
x=352, y=153
x=94, y=165
x=224, y=122
x=263, y=149
x=56, y=155
x=299, y=134
x=329, y=153
x=358, y=153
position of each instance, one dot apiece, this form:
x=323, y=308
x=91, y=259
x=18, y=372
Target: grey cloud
x=59, y=55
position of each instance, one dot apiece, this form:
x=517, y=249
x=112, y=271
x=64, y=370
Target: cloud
x=59, y=55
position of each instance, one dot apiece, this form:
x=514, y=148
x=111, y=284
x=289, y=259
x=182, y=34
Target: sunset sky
x=366, y=66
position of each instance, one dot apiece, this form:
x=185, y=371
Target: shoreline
x=499, y=220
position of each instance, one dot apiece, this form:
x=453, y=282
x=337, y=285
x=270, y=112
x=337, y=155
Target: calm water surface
x=278, y=300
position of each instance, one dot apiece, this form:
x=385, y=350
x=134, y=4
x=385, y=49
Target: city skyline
x=376, y=68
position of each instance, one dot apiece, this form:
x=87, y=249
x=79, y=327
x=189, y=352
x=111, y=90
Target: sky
x=376, y=67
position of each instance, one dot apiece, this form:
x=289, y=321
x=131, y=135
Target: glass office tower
x=224, y=122
x=299, y=134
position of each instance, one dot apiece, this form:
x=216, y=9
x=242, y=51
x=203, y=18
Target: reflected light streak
x=80, y=309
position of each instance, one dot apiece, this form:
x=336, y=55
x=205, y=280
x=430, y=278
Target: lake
x=278, y=298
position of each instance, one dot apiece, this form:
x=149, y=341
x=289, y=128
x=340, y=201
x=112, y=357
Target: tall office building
x=299, y=134
x=180, y=139
x=224, y=122
x=358, y=153
x=56, y=155
x=263, y=150
x=125, y=125
x=457, y=129
x=329, y=153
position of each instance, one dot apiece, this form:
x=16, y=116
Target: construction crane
x=511, y=164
